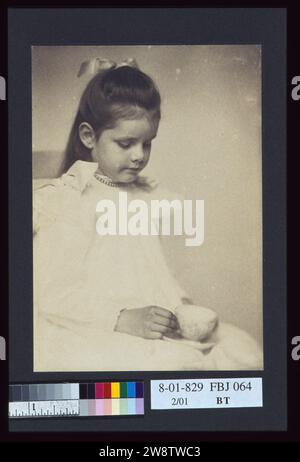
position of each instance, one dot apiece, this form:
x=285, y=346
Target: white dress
x=82, y=280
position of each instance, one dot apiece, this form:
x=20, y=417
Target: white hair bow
x=95, y=65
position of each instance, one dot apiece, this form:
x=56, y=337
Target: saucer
x=191, y=343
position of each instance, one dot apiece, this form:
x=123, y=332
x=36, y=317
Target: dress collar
x=81, y=172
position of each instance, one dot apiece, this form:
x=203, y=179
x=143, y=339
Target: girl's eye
x=128, y=144
x=124, y=144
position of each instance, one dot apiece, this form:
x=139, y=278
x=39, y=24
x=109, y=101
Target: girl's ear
x=87, y=135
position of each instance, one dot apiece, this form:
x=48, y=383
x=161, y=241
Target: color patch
x=115, y=407
x=17, y=392
x=84, y=407
x=107, y=390
x=25, y=392
x=130, y=389
x=74, y=391
x=83, y=391
x=139, y=406
x=66, y=391
x=123, y=390
x=58, y=391
x=123, y=406
x=100, y=407
x=131, y=406
x=115, y=390
x=42, y=392
x=99, y=390
x=33, y=393
x=92, y=407
x=139, y=390
x=107, y=406
x=91, y=391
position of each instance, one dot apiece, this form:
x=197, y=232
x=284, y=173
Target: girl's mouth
x=133, y=169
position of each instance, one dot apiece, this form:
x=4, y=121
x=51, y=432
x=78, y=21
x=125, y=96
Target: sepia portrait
x=147, y=208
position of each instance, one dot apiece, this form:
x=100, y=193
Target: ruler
x=61, y=408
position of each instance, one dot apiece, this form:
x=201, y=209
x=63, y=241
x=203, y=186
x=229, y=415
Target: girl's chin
x=128, y=176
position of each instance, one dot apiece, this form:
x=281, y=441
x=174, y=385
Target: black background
x=292, y=433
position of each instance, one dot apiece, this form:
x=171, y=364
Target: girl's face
x=123, y=151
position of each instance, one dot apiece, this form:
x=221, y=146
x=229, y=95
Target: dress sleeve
x=79, y=310
x=45, y=205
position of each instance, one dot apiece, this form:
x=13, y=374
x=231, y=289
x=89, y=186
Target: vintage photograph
x=147, y=208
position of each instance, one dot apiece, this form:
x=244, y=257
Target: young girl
x=107, y=302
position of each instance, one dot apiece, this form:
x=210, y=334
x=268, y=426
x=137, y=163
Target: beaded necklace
x=106, y=180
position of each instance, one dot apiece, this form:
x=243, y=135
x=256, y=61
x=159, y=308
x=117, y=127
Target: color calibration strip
x=76, y=399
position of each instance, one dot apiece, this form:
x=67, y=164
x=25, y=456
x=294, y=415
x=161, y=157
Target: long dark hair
x=111, y=95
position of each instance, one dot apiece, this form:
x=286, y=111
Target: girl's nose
x=137, y=153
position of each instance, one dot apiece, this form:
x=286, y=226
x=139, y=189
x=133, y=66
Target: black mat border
x=274, y=209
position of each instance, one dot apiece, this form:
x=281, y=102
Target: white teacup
x=196, y=322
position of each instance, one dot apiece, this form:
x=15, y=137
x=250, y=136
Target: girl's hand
x=151, y=322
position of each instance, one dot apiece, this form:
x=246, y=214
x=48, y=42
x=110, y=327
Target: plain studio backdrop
x=208, y=147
